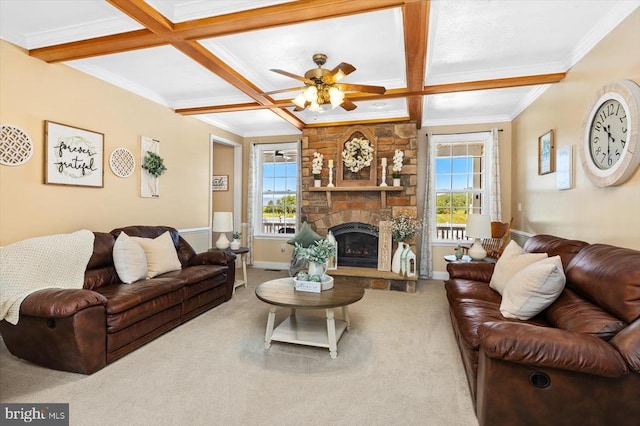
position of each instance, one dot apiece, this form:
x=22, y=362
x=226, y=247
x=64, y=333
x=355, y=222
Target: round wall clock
x=610, y=141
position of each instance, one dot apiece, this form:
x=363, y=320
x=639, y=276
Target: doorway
x=234, y=201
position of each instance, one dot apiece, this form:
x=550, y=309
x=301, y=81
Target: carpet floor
x=398, y=365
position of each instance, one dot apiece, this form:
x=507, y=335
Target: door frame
x=237, y=181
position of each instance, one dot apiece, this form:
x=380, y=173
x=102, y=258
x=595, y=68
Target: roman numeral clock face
x=608, y=135
x=610, y=152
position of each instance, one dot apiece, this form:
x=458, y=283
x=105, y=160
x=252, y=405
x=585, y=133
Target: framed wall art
x=564, y=167
x=546, y=154
x=73, y=156
x=220, y=183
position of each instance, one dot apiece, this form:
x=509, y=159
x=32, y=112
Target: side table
x=467, y=258
x=243, y=252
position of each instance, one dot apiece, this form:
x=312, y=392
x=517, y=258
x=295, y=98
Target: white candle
x=331, y=163
x=384, y=162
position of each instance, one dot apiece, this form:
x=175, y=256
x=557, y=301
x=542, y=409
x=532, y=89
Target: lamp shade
x=222, y=221
x=478, y=226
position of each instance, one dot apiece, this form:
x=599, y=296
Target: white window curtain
x=250, y=200
x=495, y=197
x=426, y=257
x=299, y=187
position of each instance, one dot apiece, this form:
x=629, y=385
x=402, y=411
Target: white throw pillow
x=533, y=289
x=161, y=254
x=512, y=260
x=129, y=259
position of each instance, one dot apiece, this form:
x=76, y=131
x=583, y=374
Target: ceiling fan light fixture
x=336, y=97
x=300, y=101
x=311, y=94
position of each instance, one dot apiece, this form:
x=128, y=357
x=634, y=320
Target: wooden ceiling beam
x=232, y=23
x=416, y=30
x=146, y=15
x=501, y=83
x=205, y=58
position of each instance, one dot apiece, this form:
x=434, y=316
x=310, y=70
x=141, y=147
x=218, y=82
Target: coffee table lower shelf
x=307, y=330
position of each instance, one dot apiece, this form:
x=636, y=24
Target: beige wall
x=586, y=212
x=33, y=91
x=223, y=165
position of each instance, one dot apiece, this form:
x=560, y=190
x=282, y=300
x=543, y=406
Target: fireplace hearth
x=357, y=244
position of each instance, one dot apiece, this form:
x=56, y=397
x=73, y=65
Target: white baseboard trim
x=271, y=265
x=440, y=275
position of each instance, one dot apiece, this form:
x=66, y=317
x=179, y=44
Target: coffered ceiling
x=442, y=62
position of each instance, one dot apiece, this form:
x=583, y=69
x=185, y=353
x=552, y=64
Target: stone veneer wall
x=359, y=206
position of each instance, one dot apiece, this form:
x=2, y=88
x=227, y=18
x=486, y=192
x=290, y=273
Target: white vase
x=234, y=245
x=316, y=183
x=403, y=259
x=395, y=261
x=316, y=268
x=396, y=182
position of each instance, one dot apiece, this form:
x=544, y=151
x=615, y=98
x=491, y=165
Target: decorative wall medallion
x=16, y=147
x=122, y=162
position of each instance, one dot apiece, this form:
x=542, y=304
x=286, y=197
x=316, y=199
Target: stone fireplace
x=357, y=244
x=353, y=210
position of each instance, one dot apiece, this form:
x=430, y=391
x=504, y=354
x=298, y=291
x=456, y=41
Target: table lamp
x=222, y=222
x=478, y=227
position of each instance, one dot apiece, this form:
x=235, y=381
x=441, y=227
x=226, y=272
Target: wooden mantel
x=382, y=189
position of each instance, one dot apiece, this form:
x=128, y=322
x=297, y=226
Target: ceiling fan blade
x=361, y=88
x=291, y=89
x=348, y=105
x=288, y=74
x=341, y=70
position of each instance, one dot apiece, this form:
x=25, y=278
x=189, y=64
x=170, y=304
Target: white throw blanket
x=56, y=261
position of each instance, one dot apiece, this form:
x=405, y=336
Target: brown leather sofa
x=576, y=363
x=83, y=330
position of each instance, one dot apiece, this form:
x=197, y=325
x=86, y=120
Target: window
x=460, y=181
x=277, y=189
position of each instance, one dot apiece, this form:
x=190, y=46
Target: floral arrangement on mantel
x=398, y=156
x=357, y=154
x=316, y=165
x=404, y=227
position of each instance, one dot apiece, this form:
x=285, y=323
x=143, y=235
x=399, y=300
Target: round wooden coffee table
x=307, y=330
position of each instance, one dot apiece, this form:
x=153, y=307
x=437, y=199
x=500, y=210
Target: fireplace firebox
x=357, y=244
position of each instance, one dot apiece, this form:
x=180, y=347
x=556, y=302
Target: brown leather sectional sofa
x=83, y=330
x=576, y=363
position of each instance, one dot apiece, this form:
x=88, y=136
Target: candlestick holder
x=330, y=185
x=384, y=175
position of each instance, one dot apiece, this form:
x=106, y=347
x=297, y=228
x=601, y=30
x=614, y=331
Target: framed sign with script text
x=73, y=156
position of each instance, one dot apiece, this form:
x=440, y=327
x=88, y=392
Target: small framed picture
x=73, y=156
x=564, y=167
x=220, y=183
x=546, y=154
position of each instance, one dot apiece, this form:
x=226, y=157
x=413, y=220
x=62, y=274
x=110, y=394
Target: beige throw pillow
x=533, y=289
x=512, y=260
x=129, y=259
x=161, y=254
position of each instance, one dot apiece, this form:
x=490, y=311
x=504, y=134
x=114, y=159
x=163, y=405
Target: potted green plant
x=317, y=255
x=235, y=243
x=153, y=164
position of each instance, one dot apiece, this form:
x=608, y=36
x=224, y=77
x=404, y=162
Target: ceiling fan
x=322, y=87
